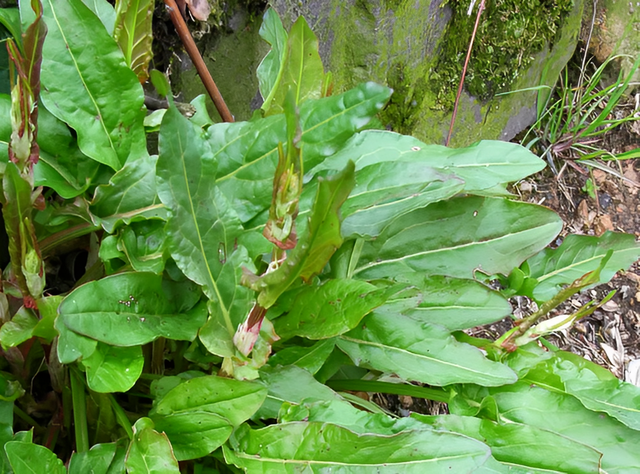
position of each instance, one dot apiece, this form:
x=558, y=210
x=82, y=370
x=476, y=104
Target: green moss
x=509, y=34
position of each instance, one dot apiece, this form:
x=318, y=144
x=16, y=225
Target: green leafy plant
x=572, y=122
x=240, y=284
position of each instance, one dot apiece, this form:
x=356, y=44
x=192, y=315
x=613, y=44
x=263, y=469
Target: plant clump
x=509, y=33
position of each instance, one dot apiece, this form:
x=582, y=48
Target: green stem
x=121, y=416
x=23, y=416
x=49, y=243
x=79, y=398
x=435, y=394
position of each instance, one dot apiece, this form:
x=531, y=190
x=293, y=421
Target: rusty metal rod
x=198, y=62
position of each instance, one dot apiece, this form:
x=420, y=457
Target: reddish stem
x=198, y=62
x=464, y=72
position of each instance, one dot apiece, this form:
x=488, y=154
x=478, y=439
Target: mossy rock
x=418, y=48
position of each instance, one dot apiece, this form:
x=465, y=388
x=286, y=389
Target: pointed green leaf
x=72, y=346
x=144, y=244
x=302, y=71
x=579, y=254
x=217, y=333
x=113, y=369
x=133, y=34
x=385, y=191
x=86, y=83
x=419, y=352
x=521, y=445
x=483, y=166
x=62, y=166
x=316, y=246
x=328, y=123
x=10, y=19
x=458, y=237
x=322, y=312
x=246, y=152
x=199, y=415
x=596, y=387
x=203, y=224
x=19, y=329
x=565, y=415
x=104, y=11
x=96, y=461
x=323, y=447
x=271, y=68
x=234, y=400
x=129, y=196
x=129, y=309
x=150, y=452
x=194, y=434
x=450, y=302
x=309, y=358
x=290, y=384
x=29, y=458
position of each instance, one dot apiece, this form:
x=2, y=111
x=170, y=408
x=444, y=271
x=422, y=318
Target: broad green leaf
x=302, y=71
x=113, y=369
x=290, y=384
x=72, y=346
x=95, y=461
x=133, y=34
x=130, y=309
x=217, y=333
x=203, y=224
x=309, y=358
x=48, y=308
x=62, y=166
x=247, y=152
x=596, y=387
x=521, y=445
x=323, y=447
x=578, y=255
x=419, y=352
x=234, y=400
x=10, y=19
x=328, y=123
x=315, y=247
x=29, y=458
x=483, y=166
x=201, y=117
x=458, y=237
x=150, y=452
x=322, y=312
x=450, y=302
x=271, y=68
x=565, y=415
x=144, y=243
x=343, y=413
x=86, y=83
x=199, y=415
x=19, y=329
x=384, y=191
x=129, y=196
x=103, y=10
x=194, y=434
x=6, y=435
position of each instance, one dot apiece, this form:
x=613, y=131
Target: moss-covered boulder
x=418, y=48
